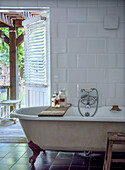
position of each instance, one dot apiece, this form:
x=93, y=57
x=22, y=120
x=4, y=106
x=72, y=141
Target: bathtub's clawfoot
x=36, y=151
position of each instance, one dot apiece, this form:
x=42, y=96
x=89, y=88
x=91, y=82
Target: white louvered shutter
x=35, y=70
x=36, y=61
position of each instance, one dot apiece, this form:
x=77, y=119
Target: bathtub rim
x=65, y=118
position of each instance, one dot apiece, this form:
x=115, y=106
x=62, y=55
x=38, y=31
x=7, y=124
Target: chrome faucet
x=87, y=100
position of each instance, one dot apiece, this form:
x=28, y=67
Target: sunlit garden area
x=5, y=65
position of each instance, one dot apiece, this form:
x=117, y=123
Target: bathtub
x=72, y=132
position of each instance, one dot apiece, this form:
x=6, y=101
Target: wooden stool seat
x=113, y=138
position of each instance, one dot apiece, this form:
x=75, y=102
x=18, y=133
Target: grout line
x=71, y=161
x=53, y=161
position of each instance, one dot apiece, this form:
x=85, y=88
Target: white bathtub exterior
x=71, y=132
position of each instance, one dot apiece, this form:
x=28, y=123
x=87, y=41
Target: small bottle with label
x=62, y=98
x=57, y=100
x=53, y=100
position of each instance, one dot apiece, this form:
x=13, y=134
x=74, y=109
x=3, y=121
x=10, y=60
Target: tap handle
x=86, y=90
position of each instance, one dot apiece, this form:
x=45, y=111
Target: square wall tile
x=67, y=30
x=67, y=3
x=53, y=30
x=59, y=75
x=121, y=30
x=62, y=30
x=77, y=45
x=120, y=90
x=73, y=101
x=121, y=60
x=76, y=14
x=86, y=61
x=105, y=33
x=58, y=45
x=120, y=11
x=95, y=14
x=58, y=15
x=72, y=30
x=54, y=87
x=28, y=3
x=71, y=90
x=115, y=76
x=115, y=101
x=95, y=75
x=72, y=60
x=8, y=3
x=76, y=75
x=87, y=29
x=87, y=3
x=47, y=3
x=116, y=46
x=106, y=60
x=53, y=61
x=106, y=91
x=66, y=61
x=96, y=46
x=62, y=60
x=108, y=3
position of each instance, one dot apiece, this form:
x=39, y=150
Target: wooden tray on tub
x=54, y=111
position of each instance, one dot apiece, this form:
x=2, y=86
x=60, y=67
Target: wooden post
x=14, y=83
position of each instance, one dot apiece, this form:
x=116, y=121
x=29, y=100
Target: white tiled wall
x=83, y=53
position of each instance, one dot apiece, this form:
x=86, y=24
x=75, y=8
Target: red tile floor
x=16, y=157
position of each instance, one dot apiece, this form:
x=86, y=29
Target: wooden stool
x=113, y=138
x=7, y=104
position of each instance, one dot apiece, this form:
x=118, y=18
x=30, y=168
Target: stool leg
x=4, y=112
x=109, y=155
x=14, y=108
x=7, y=112
x=0, y=111
x=105, y=158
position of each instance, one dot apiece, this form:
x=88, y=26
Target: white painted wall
x=83, y=53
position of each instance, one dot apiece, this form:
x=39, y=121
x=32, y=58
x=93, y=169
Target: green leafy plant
x=4, y=50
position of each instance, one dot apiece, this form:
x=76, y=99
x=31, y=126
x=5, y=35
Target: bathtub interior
x=31, y=110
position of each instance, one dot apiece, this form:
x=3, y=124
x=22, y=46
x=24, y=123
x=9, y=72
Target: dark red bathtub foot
x=36, y=151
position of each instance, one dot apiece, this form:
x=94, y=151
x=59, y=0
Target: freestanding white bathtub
x=72, y=132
